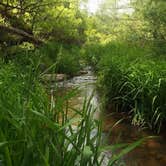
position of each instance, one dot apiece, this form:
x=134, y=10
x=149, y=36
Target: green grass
x=67, y=58
x=36, y=129
x=132, y=79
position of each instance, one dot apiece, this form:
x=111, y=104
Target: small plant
x=67, y=59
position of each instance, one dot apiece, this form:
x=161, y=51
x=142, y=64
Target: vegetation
x=131, y=67
x=65, y=59
x=35, y=130
x=124, y=42
x=132, y=80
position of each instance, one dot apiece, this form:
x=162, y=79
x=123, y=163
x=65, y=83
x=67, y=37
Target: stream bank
x=151, y=153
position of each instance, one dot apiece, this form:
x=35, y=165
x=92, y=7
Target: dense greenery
x=124, y=42
x=35, y=130
x=131, y=79
x=63, y=58
x=129, y=57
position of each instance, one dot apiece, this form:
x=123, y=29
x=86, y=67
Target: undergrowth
x=132, y=79
x=35, y=128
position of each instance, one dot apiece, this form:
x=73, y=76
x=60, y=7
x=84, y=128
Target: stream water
x=151, y=153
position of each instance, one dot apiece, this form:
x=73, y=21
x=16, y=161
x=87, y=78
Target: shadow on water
x=151, y=153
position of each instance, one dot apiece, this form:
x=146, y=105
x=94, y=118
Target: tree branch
x=22, y=33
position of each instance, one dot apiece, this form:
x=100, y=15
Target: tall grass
x=132, y=79
x=36, y=129
x=67, y=58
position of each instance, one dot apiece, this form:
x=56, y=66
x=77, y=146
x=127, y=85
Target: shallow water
x=151, y=153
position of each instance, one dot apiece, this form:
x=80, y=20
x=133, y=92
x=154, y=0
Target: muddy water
x=151, y=153
x=86, y=88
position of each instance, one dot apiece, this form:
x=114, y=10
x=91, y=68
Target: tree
x=38, y=20
x=153, y=12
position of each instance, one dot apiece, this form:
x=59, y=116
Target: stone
x=54, y=77
x=83, y=72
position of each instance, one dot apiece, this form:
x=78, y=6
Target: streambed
x=151, y=153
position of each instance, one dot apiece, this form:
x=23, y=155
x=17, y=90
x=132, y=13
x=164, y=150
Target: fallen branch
x=22, y=33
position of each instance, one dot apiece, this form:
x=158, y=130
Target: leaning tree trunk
x=27, y=37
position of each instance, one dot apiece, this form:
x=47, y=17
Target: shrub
x=67, y=62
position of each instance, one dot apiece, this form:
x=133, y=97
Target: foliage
x=153, y=12
x=37, y=22
x=132, y=80
x=35, y=131
x=68, y=61
x=65, y=57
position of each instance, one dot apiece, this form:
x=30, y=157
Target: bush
x=67, y=62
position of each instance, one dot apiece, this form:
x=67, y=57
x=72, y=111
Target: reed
x=36, y=129
x=132, y=79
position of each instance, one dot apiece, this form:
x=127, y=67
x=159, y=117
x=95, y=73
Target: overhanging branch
x=27, y=36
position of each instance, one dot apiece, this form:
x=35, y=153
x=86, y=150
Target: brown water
x=150, y=153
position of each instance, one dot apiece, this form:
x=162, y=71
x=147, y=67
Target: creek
x=150, y=153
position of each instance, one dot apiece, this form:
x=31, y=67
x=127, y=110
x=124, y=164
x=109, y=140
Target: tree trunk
x=28, y=37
